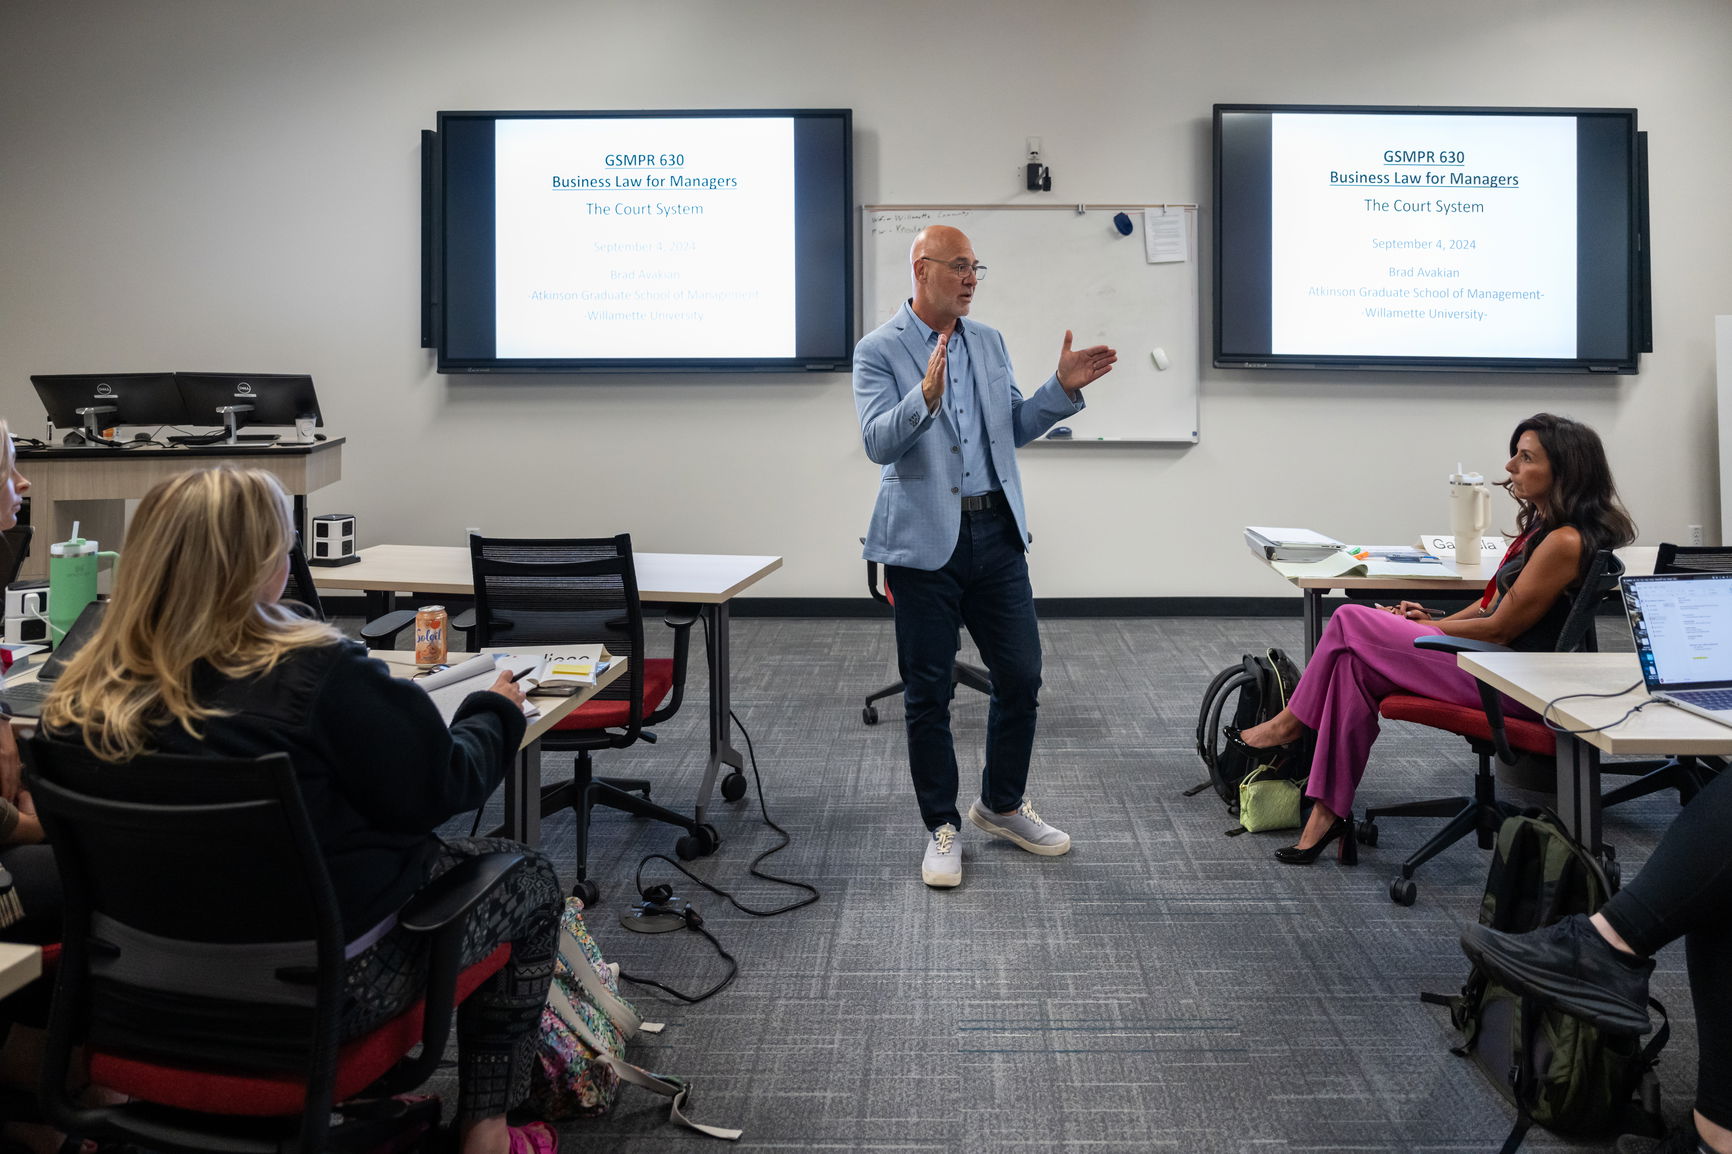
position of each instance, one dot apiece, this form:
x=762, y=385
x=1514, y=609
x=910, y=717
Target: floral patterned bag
x=584, y=1028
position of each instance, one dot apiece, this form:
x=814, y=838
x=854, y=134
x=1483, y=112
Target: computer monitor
x=97, y=401
x=234, y=400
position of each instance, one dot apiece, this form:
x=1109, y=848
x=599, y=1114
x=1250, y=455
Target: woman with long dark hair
x=1568, y=511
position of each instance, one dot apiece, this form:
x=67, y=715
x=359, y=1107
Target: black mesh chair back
x=14, y=548
x=300, y=587
x=1597, y=585
x=551, y=592
x=1693, y=558
x=204, y=944
x=532, y=592
x=200, y=922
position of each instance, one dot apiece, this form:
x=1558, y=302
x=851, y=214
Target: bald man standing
x=940, y=411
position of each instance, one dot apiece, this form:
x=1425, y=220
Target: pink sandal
x=535, y=1138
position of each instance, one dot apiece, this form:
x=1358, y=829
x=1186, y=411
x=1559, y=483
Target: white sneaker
x=1023, y=828
x=942, y=866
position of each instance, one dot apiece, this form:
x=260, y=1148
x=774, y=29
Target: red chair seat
x=1468, y=721
x=360, y=1063
x=658, y=682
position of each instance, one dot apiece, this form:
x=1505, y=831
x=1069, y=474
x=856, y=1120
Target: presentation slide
x=645, y=238
x=1419, y=235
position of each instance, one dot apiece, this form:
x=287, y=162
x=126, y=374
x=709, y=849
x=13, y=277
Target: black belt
x=992, y=500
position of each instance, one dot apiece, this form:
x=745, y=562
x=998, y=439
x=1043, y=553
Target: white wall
x=229, y=185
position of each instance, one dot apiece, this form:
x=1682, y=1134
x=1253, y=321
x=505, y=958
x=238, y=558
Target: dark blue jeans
x=984, y=586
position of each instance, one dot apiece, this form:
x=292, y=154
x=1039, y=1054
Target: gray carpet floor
x=1162, y=987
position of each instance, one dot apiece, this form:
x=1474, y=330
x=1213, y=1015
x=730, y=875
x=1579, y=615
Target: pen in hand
x=520, y=676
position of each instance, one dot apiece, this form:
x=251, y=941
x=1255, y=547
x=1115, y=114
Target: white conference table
x=1463, y=581
x=1658, y=730
x=19, y=966
x=707, y=581
x=523, y=785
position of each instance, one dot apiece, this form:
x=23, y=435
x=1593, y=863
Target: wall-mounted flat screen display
x=643, y=241
x=1494, y=239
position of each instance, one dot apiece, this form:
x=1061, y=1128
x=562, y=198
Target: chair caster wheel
x=699, y=844
x=1402, y=890
x=1367, y=833
x=869, y=715
x=734, y=786
x=587, y=892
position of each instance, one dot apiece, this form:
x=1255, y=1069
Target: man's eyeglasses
x=960, y=267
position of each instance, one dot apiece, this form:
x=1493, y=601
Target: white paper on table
x=1165, y=238
x=451, y=686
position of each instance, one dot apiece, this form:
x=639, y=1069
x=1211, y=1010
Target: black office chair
x=961, y=673
x=203, y=965
x=380, y=633
x=1488, y=732
x=532, y=593
x=1686, y=774
x=14, y=548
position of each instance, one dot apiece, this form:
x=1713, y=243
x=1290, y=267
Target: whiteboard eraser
x=1159, y=356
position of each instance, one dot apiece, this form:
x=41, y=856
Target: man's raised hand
x=1080, y=367
x=932, y=385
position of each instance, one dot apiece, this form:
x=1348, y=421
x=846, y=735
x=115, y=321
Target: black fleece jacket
x=378, y=770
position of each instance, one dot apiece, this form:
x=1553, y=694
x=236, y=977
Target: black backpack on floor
x=1242, y=695
x=1559, y=1071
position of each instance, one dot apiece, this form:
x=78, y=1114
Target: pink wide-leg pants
x=1365, y=655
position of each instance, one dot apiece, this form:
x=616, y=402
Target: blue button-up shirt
x=961, y=402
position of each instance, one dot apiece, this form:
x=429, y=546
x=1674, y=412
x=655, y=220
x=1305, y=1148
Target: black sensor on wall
x=661, y=241
x=1448, y=239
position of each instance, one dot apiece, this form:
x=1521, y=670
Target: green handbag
x=1268, y=801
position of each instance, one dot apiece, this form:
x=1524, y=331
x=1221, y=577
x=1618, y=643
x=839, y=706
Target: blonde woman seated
x=196, y=655
x=1568, y=511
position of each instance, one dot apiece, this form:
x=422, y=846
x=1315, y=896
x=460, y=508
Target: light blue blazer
x=919, y=510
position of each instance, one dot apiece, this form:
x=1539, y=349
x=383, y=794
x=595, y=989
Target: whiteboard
x=1053, y=268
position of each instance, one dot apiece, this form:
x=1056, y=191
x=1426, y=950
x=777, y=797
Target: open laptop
x=25, y=699
x=1682, y=624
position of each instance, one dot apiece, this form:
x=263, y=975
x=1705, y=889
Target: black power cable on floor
x=661, y=893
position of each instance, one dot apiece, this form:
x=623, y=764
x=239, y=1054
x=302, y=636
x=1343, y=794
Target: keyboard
x=1715, y=699
x=26, y=700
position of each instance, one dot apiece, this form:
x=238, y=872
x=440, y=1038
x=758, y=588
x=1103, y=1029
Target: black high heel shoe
x=1236, y=738
x=1340, y=830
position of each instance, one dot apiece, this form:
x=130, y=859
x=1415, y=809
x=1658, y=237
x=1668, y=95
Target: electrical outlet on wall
x=1692, y=534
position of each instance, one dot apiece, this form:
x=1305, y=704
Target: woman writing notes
x=197, y=655
x=1568, y=511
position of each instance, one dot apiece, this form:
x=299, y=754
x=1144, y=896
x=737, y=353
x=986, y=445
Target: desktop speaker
x=333, y=540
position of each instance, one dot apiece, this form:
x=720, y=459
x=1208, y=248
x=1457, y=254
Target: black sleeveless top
x=1542, y=636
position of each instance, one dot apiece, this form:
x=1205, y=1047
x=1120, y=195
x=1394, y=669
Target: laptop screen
x=1682, y=625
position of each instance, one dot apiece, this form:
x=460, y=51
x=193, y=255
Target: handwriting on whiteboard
x=890, y=223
